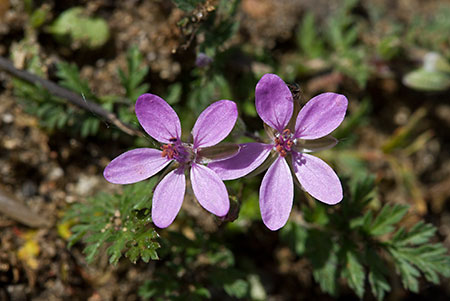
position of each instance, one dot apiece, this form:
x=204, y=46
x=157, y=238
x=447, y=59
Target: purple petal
x=209, y=190
x=273, y=101
x=250, y=156
x=168, y=198
x=134, y=166
x=320, y=116
x=157, y=118
x=276, y=195
x=214, y=123
x=317, y=178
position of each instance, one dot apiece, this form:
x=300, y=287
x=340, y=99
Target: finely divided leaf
x=136, y=72
x=388, y=216
x=419, y=234
x=119, y=223
x=414, y=254
x=353, y=271
x=377, y=274
x=322, y=252
x=70, y=78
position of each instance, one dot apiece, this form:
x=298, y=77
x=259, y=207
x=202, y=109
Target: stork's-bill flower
x=161, y=122
x=315, y=121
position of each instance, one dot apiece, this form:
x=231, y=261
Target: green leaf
x=239, y=288
x=308, y=39
x=69, y=76
x=420, y=233
x=389, y=215
x=326, y=275
x=202, y=293
x=295, y=235
x=317, y=214
x=413, y=254
x=119, y=223
x=379, y=284
x=354, y=272
x=362, y=221
x=187, y=5
x=39, y=16
x=135, y=74
x=377, y=274
x=73, y=25
x=427, y=80
x=322, y=252
x=206, y=89
x=174, y=93
x=430, y=259
x=407, y=271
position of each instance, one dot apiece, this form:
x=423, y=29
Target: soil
x=47, y=171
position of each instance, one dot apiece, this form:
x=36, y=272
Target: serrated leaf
x=295, y=235
x=115, y=250
x=322, y=253
x=418, y=234
x=408, y=273
x=377, y=274
x=354, y=273
x=135, y=74
x=362, y=221
x=430, y=259
x=308, y=39
x=69, y=76
x=389, y=215
x=113, y=222
x=326, y=275
x=378, y=284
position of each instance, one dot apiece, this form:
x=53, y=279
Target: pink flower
x=316, y=120
x=161, y=122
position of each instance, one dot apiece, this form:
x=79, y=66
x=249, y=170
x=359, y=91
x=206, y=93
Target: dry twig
x=72, y=97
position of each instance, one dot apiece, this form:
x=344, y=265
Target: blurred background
x=389, y=58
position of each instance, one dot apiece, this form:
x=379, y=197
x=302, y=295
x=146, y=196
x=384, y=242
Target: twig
x=72, y=97
x=13, y=208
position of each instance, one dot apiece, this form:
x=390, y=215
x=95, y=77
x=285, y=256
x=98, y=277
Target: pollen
x=284, y=142
x=170, y=150
x=176, y=150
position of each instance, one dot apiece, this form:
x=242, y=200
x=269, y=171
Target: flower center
x=175, y=150
x=284, y=142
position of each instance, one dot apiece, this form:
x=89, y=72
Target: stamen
x=284, y=142
x=174, y=150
